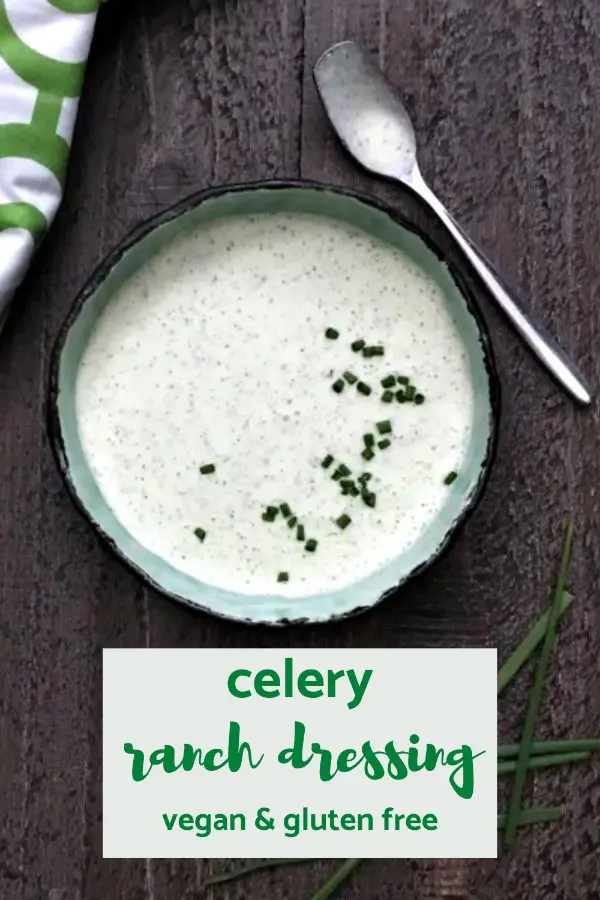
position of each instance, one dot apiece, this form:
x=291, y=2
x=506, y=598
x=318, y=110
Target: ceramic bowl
x=272, y=197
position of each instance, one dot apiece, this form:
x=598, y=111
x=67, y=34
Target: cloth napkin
x=44, y=46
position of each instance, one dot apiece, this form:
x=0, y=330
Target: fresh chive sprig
x=335, y=880
x=509, y=766
x=528, y=645
x=536, y=693
x=574, y=745
x=234, y=874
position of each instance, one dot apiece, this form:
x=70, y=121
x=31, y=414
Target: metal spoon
x=374, y=126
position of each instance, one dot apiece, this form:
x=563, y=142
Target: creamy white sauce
x=215, y=353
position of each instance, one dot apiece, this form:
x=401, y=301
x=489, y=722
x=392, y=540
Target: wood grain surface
x=183, y=94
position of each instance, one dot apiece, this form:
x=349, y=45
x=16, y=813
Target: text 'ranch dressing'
x=215, y=353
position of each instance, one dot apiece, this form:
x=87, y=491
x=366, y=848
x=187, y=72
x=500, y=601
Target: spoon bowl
x=369, y=119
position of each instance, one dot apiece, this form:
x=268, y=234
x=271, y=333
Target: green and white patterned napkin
x=44, y=46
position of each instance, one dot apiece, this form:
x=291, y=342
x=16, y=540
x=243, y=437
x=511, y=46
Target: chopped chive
x=400, y=396
x=367, y=454
x=300, y=534
x=369, y=440
x=332, y=334
x=389, y=381
x=357, y=346
x=292, y=522
x=419, y=399
x=384, y=427
x=363, y=388
x=207, y=469
x=285, y=510
x=368, y=498
x=384, y=444
x=346, y=483
x=402, y=379
x=373, y=351
x=450, y=477
x=310, y=545
x=387, y=396
x=343, y=521
x=410, y=392
x=341, y=472
x=326, y=461
x=338, y=386
x=353, y=491
x=270, y=514
x=366, y=476
x=200, y=534
x=350, y=378
x=283, y=576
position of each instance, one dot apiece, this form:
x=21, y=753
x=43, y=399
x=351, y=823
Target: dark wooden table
x=182, y=94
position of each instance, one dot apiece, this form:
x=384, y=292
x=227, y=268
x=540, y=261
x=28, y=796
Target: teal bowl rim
x=192, y=201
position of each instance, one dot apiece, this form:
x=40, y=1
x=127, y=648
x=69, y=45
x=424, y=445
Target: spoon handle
x=543, y=346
